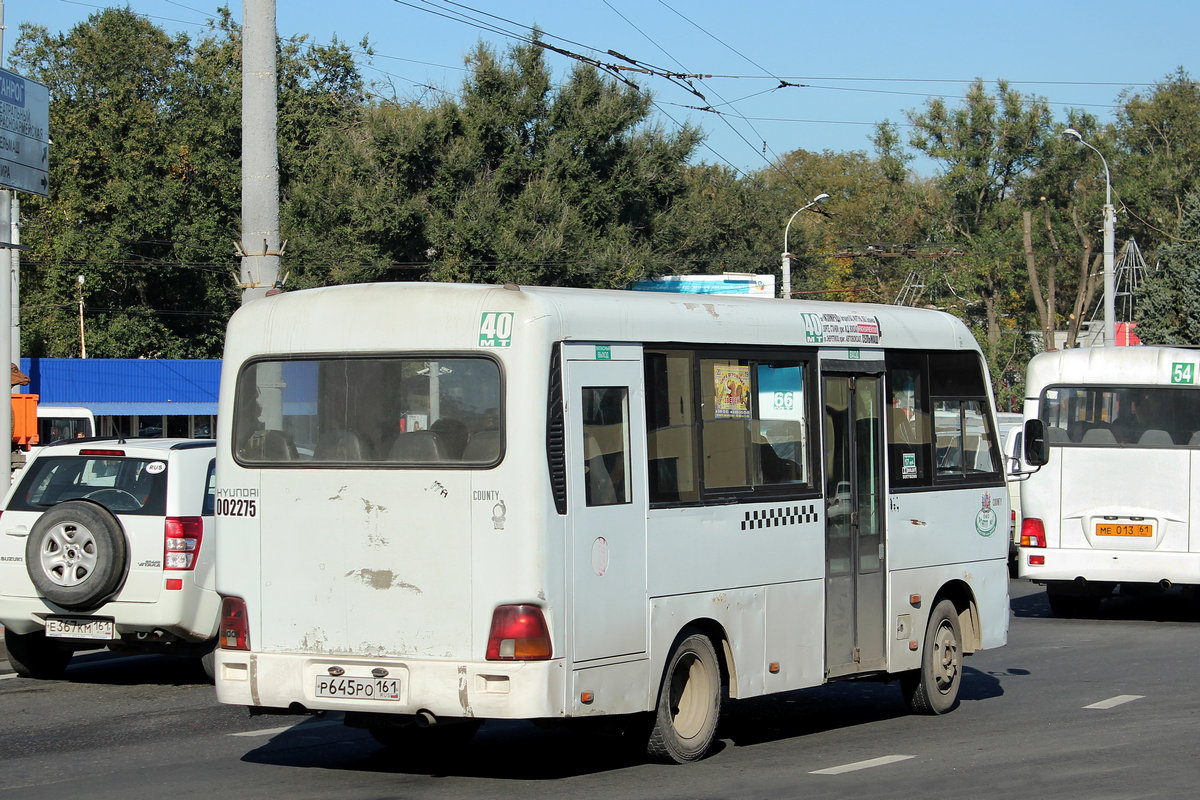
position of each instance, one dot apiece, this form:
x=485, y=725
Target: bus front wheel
x=689, y=703
x=933, y=689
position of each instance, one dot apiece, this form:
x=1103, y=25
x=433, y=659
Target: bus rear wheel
x=933, y=689
x=689, y=703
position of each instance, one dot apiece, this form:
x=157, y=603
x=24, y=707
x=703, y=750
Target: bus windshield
x=1148, y=416
x=389, y=410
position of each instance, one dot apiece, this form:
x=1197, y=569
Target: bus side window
x=908, y=418
x=606, y=445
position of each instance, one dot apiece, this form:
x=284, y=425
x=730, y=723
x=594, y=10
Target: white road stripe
x=9, y=675
x=1112, y=702
x=857, y=765
x=286, y=728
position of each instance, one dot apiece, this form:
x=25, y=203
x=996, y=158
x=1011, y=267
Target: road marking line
x=9, y=675
x=857, y=765
x=1113, y=702
x=286, y=728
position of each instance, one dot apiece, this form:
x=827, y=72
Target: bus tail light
x=234, y=633
x=519, y=633
x=1033, y=533
x=181, y=542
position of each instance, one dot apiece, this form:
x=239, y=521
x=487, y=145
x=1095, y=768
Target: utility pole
x=260, y=248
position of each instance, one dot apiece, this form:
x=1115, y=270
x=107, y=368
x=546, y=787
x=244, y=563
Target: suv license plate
x=1124, y=529
x=347, y=688
x=80, y=628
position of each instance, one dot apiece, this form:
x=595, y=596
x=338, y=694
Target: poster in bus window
x=732, y=385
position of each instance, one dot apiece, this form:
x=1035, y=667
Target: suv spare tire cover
x=77, y=556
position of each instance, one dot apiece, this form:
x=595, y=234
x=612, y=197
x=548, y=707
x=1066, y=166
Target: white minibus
x=1115, y=503
x=444, y=504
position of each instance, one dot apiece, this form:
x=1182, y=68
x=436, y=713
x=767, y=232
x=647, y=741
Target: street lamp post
x=786, y=290
x=1110, y=316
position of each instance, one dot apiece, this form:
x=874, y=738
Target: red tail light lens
x=234, y=633
x=91, y=451
x=519, y=633
x=181, y=542
x=1033, y=533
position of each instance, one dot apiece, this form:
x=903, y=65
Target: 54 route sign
x=24, y=134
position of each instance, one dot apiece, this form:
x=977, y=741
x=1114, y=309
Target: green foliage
x=145, y=179
x=1158, y=148
x=522, y=178
x=518, y=181
x=1168, y=302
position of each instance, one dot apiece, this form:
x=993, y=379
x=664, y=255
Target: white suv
x=108, y=542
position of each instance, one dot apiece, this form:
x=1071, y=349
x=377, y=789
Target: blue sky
x=858, y=63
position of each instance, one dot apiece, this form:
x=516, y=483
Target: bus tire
x=76, y=555
x=32, y=655
x=689, y=703
x=933, y=689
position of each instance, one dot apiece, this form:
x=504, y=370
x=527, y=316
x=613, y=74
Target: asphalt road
x=1096, y=708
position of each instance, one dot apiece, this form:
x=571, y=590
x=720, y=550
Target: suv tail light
x=1033, y=533
x=181, y=542
x=234, y=633
x=519, y=633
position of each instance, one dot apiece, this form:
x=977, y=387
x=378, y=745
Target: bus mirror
x=1037, y=450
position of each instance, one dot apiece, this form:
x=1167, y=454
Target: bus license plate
x=1124, y=529
x=347, y=688
x=80, y=628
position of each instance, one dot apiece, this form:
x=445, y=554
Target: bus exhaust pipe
x=1164, y=584
x=425, y=719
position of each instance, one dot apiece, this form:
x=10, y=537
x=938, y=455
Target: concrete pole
x=6, y=346
x=260, y=243
x=1110, y=314
x=6, y=420
x=16, y=279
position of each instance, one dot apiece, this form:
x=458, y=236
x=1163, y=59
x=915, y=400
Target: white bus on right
x=1116, y=504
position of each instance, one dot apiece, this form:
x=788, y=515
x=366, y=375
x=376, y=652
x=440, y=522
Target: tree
x=1168, y=302
x=518, y=181
x=145, y=179
x=1158, y=135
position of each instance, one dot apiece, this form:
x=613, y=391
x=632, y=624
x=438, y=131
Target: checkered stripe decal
x=778, y=517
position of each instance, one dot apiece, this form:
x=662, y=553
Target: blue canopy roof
x=123, y=386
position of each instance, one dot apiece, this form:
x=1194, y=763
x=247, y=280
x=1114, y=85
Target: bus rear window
x=386, y=410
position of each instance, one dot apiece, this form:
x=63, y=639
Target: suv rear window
x=122, y=485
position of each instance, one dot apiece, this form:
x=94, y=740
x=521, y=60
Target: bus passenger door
x=854, y=524
x=606, y=501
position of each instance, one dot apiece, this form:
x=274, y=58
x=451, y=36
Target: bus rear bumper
x=1107, y=566
x=446, y=689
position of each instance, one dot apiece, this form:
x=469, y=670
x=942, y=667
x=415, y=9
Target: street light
x=787, y=254
x=1110, y=316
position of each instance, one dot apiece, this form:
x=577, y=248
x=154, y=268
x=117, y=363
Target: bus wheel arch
x=691, y=691
x=960, y=594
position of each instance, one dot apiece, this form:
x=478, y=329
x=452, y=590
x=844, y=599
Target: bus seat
x=416, y=446
x=1056, y=434
x=269, y=446
x=339, y=446
x=452, y=434
x=1155, y=437
x=482, y=447
x=599, y=486
x=1099, y=436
